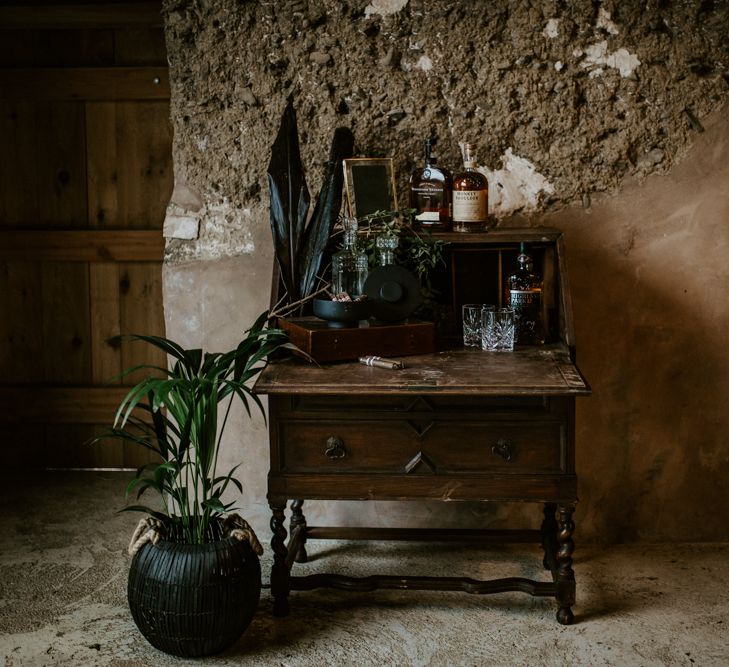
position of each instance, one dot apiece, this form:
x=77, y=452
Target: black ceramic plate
x=393, y=291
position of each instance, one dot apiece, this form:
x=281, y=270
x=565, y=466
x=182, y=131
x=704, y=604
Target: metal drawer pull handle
x=503, y=448
x=335, y=448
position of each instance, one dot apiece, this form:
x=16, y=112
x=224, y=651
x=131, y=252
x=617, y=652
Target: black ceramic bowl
x=341, y=314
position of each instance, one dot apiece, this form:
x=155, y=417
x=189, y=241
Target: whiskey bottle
x=430, y=192
x=349, y=265
x=470, y=196
x=524, y=295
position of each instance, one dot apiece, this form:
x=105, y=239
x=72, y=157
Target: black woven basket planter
x=194, y=599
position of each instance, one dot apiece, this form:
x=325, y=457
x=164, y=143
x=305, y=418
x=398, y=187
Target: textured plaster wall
x=607, y=120
x=648, y=268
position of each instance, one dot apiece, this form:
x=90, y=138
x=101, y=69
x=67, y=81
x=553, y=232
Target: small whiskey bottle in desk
x=430, y=192
x=523, y=293
x=470, y=196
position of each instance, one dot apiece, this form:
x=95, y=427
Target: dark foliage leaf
x=126, y=436
x=289, y=199
x=222, y=483
x=181, y=424
x=148, y=484
x=193, y=359
x=326, y=210
x=160, y=429
x=214, y=504
x=259, y=323
x=210, y=361
x=139, y=367
x=165, y=344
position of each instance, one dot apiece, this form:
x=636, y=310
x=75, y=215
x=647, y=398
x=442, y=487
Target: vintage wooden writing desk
x=453, y=425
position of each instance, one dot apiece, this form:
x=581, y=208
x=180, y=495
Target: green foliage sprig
x=418, y=251
x=184, y=431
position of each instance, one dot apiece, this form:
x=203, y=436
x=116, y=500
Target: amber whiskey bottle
x=470, y=196
x=430, y=193
x=524, y=295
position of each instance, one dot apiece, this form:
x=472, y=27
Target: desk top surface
x=542, y=370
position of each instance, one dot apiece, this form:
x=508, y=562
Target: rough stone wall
x=565, y=101
x=582, y=93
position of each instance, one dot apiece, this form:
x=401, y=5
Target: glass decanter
x=386, y=245
x=349, y=265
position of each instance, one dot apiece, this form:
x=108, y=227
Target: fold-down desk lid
x=539, y=370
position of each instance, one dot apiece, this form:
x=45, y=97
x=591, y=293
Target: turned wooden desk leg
x=565, y=579
x=549, y=536
x=280, y=570
x=298, y=520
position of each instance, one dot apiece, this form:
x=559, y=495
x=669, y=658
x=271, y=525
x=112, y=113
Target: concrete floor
x=63, y=571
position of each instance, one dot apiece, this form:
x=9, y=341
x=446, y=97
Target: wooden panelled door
x=85, y=176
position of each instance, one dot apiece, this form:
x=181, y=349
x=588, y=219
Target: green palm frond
x=182, y=403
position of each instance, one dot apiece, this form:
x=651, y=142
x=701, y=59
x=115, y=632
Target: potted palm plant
x=195, y=578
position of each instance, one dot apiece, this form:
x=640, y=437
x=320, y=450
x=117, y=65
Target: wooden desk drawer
x=365, y=446
x=504, y=447
x=434, y=447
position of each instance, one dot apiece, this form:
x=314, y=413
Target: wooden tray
x=384, y=340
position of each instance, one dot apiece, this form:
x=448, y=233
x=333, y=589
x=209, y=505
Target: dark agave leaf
x=326, y=210
x=289, y=200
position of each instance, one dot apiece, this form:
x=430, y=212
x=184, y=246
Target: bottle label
x=525, y=298
x=429, y=200
x=470, y=205
x=527, y=315
x=428, y=188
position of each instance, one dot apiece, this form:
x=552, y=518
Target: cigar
x=380, y=362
